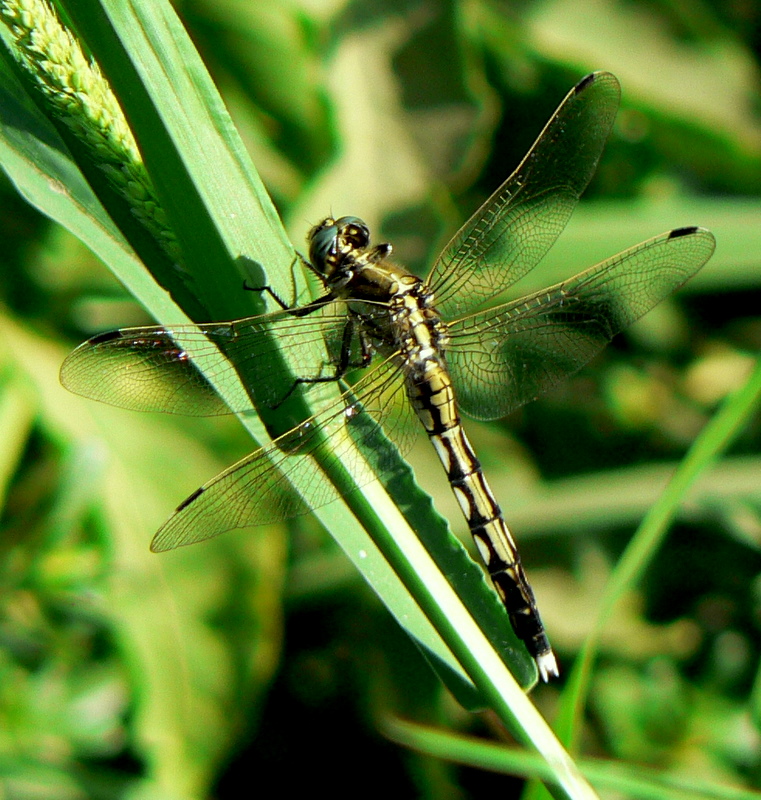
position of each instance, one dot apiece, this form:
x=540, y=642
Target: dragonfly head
x=333, y=240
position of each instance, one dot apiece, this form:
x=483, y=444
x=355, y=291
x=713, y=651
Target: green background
x=262, y=657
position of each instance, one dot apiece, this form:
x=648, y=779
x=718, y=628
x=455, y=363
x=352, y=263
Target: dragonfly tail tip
x=547, y=666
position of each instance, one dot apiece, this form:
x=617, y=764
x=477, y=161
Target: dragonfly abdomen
x=433, y=401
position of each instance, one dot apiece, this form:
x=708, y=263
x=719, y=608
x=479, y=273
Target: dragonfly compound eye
x=323, y=244
x=331, y=240
x=353, y=232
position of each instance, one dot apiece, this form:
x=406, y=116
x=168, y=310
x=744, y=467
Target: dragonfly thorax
x=340, y=252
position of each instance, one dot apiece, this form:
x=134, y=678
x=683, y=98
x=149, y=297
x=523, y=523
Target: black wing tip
x=688, y=231
x=587, y=80
x=159, y=545
x=188, y=500
x=108, y=336
x=595, y=77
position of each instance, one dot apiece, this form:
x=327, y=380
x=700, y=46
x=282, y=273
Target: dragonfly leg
x=274, y=295
x=270, y=291
x=345, y=361
x=296, y=311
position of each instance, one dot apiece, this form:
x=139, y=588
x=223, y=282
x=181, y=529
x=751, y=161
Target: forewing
x=507, y=356
x=257, y=490
x=518, y=224
x=153, y=368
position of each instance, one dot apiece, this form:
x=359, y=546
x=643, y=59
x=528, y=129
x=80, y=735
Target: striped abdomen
x=433, y=399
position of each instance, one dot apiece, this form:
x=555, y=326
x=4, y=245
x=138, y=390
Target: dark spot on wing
x=188, y=500
x=677, y=232
x=106, y=337
x=584, y=82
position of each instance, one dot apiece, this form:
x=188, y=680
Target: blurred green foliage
x=260, y=658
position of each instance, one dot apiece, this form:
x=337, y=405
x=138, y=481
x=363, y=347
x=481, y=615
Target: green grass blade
x=631, y=781
x=712, y=441
x=212, y=196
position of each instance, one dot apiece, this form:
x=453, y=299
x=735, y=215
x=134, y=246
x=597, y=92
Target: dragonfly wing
x=507, y=356
x=518, y=224
x=153, y=368
x=257, y=490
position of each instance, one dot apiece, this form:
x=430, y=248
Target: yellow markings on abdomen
x=421, y=339
x=493, y=539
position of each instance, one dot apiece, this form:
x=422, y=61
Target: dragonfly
x=447, y=345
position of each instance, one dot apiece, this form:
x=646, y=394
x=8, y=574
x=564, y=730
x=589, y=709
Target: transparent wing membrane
x=153, y=368
x=507, y=356
x=517, y=225
x=257, y=490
